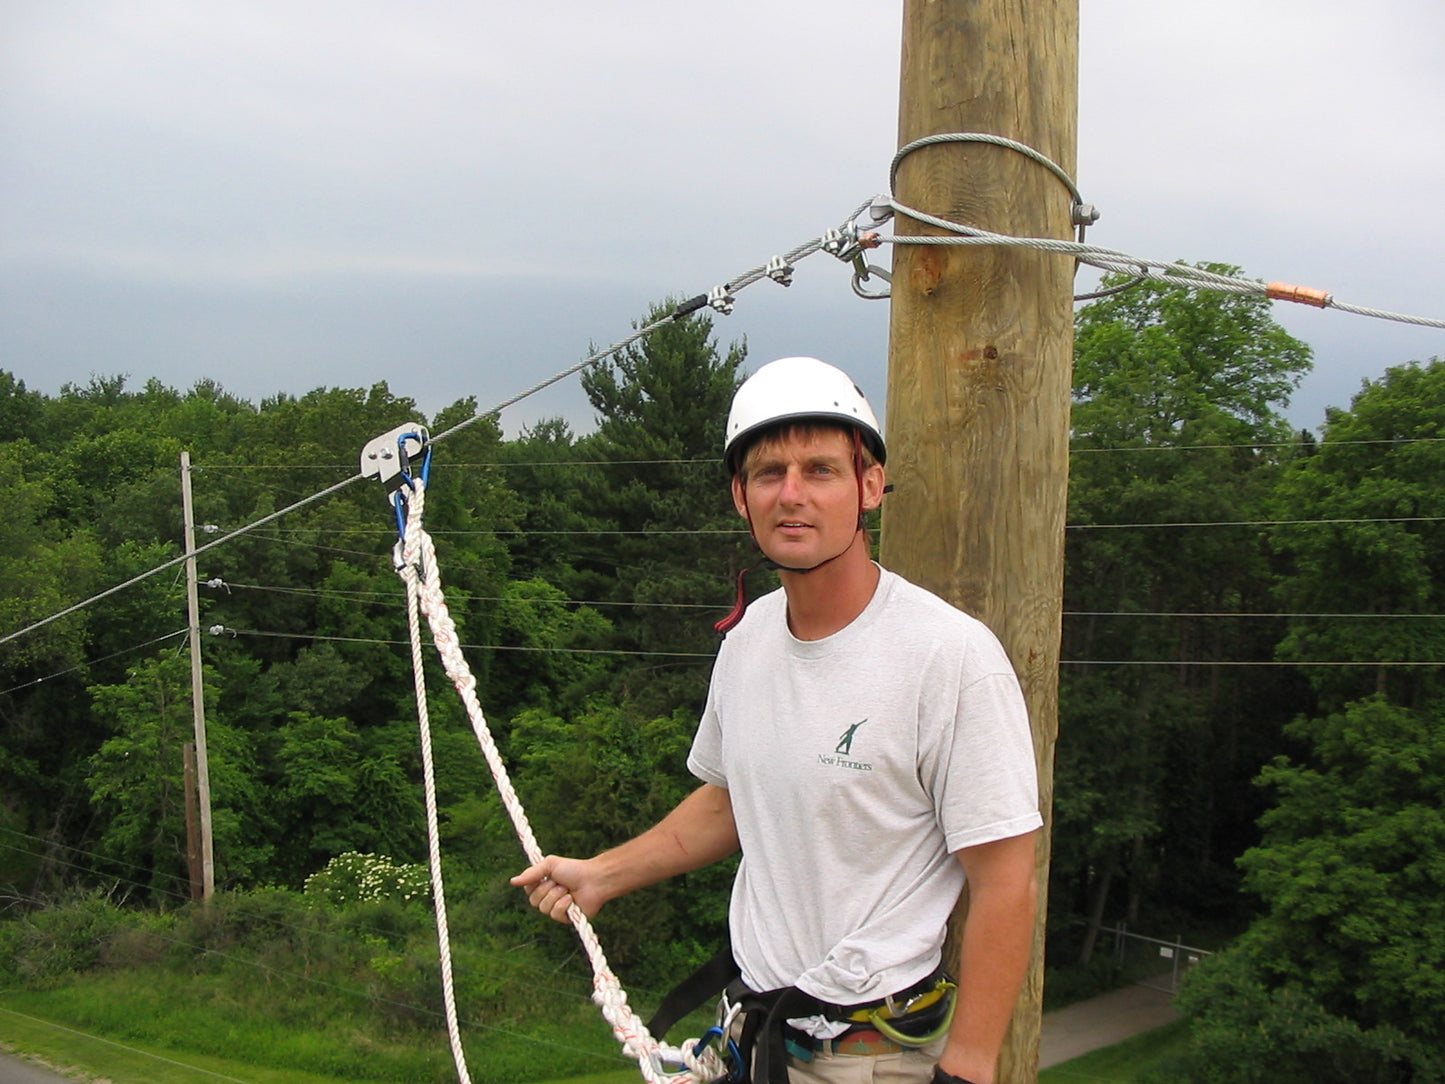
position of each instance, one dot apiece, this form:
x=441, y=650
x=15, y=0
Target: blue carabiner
x=398, y=498
x=708, y=1036
x=736, y=1072
x=398, y=504
x=733, y=1053
x=405, y=460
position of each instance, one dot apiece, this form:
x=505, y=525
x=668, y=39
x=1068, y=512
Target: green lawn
x=1123, y=1062
x=88, y=1058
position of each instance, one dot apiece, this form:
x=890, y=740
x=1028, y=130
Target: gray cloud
x=459, y=198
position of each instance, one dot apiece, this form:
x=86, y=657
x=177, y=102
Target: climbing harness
x=762, y=1038
x=415, y=557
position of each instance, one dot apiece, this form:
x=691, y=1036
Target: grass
x=87, y=1057
x=141, y=1042
x=1123, y=1062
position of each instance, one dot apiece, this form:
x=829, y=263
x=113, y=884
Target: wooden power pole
x=198, y=702
x=980, y=356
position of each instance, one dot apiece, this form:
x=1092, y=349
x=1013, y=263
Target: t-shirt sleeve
x=705, y=759
x=976, y=753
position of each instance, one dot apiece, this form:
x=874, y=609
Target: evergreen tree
x=662, y=406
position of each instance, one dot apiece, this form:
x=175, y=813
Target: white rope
x=433, y=834
x=418, y=568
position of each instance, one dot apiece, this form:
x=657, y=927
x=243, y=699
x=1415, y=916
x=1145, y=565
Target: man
x=867, y=747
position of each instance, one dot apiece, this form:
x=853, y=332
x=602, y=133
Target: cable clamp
x=848, y=243
x=842, y=242
x=780, y=271
x=721, y=299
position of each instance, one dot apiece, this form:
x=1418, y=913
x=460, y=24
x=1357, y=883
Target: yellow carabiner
x=888, y=1031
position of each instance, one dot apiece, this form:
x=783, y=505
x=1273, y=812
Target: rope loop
x=417, y=566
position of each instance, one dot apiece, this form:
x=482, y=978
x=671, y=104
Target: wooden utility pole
x=193, y=823
x=980, y=359
x=198, y=701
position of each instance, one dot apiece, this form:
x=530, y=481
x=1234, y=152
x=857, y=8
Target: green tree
x=601, y=776
x=1346, y=964
x=662, y=405
x=338, y=789
x=1363, y=542
x=1176, y=420
x=136, y=779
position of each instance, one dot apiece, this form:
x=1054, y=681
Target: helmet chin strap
x=768, y=562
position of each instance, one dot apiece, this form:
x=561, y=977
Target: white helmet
x=798, y=389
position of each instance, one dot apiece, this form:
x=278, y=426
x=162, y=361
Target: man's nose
x=792, y=488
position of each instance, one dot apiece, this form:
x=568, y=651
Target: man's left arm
x=994, y=957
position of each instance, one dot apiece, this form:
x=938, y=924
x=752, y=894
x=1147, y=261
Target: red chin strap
x=740, y=605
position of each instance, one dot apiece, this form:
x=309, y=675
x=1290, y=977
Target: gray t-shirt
x=857, y=765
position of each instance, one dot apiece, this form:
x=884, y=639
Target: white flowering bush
x=359, y=878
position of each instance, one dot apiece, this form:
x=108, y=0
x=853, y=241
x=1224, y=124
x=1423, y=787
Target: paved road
x=15, y=1071
x=1102, y=1021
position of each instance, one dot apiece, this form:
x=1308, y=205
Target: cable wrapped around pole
x=417, y=566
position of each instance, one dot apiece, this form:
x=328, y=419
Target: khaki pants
x=905, y=1067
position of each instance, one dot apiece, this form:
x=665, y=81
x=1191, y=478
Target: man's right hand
x=699, y=831
x=555, y=884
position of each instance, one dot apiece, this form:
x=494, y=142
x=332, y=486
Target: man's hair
x=777, y=434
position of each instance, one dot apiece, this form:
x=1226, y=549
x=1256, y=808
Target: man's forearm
x=698, y=832
x=993, y=957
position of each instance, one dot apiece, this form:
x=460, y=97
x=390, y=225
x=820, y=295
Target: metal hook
x=863, y=274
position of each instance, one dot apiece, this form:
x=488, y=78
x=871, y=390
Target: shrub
x=43, y=947
x=356, y=878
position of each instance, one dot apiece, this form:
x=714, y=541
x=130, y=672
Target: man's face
x=802, y=496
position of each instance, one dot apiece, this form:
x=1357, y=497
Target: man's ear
x=740, y=501
x=875, y=484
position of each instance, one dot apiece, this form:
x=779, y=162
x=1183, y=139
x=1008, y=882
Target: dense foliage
x=1178, y=447
x=584, y=573
x=1216, y=560
x=1342, y=975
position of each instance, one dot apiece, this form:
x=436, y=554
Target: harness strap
x=763, y=1043
x=695, y=991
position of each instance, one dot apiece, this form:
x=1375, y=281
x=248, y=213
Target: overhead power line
x=717, y=461
x=176, y=561
x=847, y=243
x=223, y=631
x=92, y=662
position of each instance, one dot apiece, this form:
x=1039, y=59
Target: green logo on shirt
x=845, y=743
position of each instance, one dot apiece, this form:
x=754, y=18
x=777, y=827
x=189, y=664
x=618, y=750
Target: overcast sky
x=458, y=198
